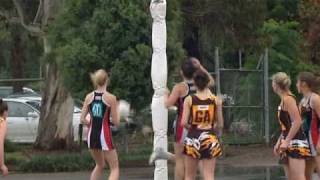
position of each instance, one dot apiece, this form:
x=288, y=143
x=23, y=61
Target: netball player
x=307, y=85
x=102, y=106
x=292, y=145
x=176, y=98
x=202, y=116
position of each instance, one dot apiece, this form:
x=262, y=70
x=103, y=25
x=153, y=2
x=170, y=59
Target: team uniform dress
x=311, y=125
x=99, y=135
x=298, y=146
x=179, y=131
x=201, y=141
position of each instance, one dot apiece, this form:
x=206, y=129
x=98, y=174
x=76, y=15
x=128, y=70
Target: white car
x=6, y=91
x=24, y=116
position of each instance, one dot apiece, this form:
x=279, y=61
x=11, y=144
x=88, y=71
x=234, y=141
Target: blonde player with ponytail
x=292, y=145
x=103, y=109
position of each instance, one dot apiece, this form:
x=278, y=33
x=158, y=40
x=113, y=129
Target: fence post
x=266, y=95
x=217, y=71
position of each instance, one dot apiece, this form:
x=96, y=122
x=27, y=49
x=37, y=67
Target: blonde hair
x=99, y=77
x=282, y=80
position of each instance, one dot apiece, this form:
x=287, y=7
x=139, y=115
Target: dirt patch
x=251, y=155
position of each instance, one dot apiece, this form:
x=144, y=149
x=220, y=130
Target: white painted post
x=159, y=81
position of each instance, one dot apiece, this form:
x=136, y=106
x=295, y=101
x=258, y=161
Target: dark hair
x=3, y=107
x=312, y=80
x=188, y=68
x=201, y=79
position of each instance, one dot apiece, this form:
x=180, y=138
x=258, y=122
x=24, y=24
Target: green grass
x=66, y=162
x=62, y=161
x=140, y=153
x=23, y=158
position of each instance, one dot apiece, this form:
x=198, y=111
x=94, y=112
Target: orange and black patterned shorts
x=298, y=149
x=202, y=145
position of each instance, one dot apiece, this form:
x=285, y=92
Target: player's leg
x=100, y=164
x=191, y=166
x=296, y=169
x=208, y=168
x=317, y=164
x=179, y=159
x=310, y=167
x=112, y=158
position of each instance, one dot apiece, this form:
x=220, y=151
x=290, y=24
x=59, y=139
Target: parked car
x=36, y=102
x=6, y=91
x=24, y=116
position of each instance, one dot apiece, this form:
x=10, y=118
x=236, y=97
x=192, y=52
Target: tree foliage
x=11, y=33
x=227, y=24
x=310, y=19
x=114, y=35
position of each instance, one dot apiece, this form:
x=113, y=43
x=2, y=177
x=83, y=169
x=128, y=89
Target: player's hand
x=276, y=150
x=86, y=120
x=167, y=91
x=196, y=63
x=284, y=145
x=4, y=170
x=219, y=101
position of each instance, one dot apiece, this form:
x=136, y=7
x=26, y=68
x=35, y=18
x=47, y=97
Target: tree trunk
x=55, y=124
x=17, y=61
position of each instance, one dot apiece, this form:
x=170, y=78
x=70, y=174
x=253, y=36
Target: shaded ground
x=254, y=162
x=248, y=156
x=146, y=174
x=127, y=174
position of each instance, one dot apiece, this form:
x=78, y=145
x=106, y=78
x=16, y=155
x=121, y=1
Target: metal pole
x=266, y=96
x=240, y=58
x=217, y=70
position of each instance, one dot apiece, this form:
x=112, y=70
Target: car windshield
x=19, y=95
x=35, y=104
x=6, y=91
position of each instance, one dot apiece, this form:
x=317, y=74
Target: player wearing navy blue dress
x=102, y=107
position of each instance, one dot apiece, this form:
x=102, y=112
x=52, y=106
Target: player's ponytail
x=282, y=80
x=201, y=79
x=3, y=107
x=99, y=78
x=311, y=80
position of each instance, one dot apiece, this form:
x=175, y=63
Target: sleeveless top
x=99, y=110
x=203, y=113
x=286, y=123
x=180, y=102
x=100, y=135
x=311, y=120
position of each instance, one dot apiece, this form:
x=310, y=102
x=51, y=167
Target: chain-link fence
x=246, y=100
